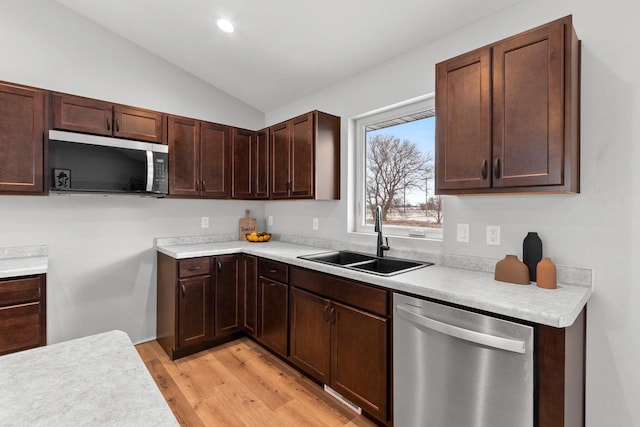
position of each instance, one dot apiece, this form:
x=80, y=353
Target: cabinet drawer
x=20, y=327
x=353, y=293
x=274, y=270
x=17, y=291
x=194, y=266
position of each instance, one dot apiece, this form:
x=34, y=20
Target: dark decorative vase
x=532, y=253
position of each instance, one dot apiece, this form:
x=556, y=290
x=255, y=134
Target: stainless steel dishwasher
x=456, y=368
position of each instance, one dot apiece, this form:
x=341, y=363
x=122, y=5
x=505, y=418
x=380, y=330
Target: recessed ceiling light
x=225, y=25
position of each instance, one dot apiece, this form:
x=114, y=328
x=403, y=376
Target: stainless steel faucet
x=378, y=229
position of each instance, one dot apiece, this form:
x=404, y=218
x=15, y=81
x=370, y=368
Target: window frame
x=416, y=105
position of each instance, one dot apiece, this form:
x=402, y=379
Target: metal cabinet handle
x=117, y=125
x=195, y=268
x=219, y=266
x=484, y=168
x=332, y=315
x=273, y=285
x=108, y=123
x=271, y=270
x=325, y=315
x=184, y=290
x=496, y=168
x=202, y=188
x=500, y=343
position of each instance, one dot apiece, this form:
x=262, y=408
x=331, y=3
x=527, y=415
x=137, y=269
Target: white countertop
x=558, y=307
x=95, y=380
x=15, y=267
x=23, y=261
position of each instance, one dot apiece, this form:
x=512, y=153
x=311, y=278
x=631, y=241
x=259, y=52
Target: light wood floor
x=242, y=384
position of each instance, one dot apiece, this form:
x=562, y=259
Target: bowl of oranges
x=258, y=236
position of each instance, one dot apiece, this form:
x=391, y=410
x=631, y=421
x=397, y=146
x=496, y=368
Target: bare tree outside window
x=399, y=171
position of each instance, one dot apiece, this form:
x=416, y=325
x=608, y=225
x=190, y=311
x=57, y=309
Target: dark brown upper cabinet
x=508, y=115
x=305, y=157
x=215, y=160
x=21, y=139
x=199, y=158
x=250, y=164
x=78, y=114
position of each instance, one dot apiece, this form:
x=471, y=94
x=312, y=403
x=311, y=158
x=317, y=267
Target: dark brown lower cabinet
x=251, y=295
x=228, y=294
x=23, y=316
x=199, y=303
x=274, y=309
x=310, y=332
x=343, y=347
x=194, y=314
x=359, y=358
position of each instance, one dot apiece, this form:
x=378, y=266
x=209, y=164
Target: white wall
x=46, y=45
x=598, y=229
x=102, y=262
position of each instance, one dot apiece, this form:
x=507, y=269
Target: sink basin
x=366, y=263
x=387, y=266
x=340, y=257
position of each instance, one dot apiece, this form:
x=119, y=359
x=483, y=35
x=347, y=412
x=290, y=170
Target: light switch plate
x=270, y=220
x=315, y=223
x=463, y=233
x=493, y=235
x=205, y=222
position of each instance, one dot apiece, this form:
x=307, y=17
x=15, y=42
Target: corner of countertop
x=24, y=251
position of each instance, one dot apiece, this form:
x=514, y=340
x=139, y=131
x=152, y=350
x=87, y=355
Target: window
x=395, y=169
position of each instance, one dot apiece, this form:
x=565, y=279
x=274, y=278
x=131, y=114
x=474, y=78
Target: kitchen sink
x=340, y=257
x=366, y=263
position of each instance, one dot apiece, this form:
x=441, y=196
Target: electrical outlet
x=315, y=223
x=205, y=222
x=270, y=220
x=463, y=233
x=493, y=235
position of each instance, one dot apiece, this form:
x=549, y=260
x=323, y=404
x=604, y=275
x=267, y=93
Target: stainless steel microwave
x=95, y=164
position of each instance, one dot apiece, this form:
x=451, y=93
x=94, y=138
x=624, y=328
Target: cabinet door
x=260, y=165
x=194, y=315
x=227, y=297
x=280, y=160
x=463, y=127
x=21, y=139
x=243, y=159
x=310, y=334
x=215, y=160
x=528, y=108
x=273, y=315
x=79, y=114
x=135, y=123
x=184, y=157
x=251, y=294
x=302, y=157
x=359, y=358
x=20, y=327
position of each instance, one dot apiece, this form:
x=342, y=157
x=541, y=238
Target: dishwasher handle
x=507, y=344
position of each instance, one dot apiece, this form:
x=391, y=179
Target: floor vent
x=346, y=402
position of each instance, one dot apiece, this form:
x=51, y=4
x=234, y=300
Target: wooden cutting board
x=247, y=225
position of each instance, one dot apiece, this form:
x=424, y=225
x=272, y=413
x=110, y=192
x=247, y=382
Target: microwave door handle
x=149, y=171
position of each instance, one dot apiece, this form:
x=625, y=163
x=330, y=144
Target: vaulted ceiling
x=281, y=50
